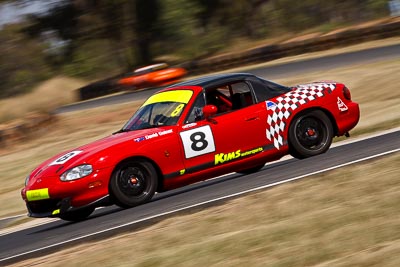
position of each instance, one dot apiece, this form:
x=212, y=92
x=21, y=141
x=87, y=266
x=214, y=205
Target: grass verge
x=45, y=98
x=346, y=217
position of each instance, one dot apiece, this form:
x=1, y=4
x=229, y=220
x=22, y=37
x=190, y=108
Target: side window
x=265, y=90
x=229, y=97
x=241, y=95
x=196, y=113
x=219, y=97
x=262, y=92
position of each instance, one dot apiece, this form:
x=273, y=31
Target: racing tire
x=310, y=134
x=133, y=183
x=77, y=215
x=252, y=170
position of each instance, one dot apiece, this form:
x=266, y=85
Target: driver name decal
x=153, y=135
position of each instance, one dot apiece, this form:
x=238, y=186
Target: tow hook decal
x=341, y=105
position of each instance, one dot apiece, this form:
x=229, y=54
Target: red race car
x=190, y=132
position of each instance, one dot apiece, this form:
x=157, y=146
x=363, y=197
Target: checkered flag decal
x=287, y=103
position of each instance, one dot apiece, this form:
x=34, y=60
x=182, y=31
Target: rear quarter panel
x=319, y=95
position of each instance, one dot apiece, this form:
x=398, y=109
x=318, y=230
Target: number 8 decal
x=198, y=141
x=177, y=110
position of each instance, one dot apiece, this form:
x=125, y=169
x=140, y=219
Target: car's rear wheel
x=133, y=183
x=310, y=134
x=77, y=215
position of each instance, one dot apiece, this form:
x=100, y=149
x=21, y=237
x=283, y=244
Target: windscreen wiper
x=122, y=131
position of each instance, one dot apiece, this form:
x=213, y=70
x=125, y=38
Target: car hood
x=95, y=151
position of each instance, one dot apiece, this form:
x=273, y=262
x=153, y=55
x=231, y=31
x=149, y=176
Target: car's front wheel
x=310, y=134
x=133, y=183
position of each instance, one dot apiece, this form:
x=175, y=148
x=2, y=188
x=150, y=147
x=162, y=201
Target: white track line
x=364, y=137
x=23, y=226
x=12, y=217
x=205, y=202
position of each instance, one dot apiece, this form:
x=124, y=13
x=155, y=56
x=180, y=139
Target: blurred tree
x=114, y=14
x=109, y=20
x=207, y=10
x=377, y=8
x=184, y=36
x=147, y=15
x=242, y=17
x=97, y=38
x=63, y=20
x=21, y=62
x=119, y=21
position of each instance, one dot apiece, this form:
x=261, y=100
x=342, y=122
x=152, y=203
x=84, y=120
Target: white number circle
x=65, y=158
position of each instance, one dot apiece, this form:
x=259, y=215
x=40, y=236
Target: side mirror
x=209, y=110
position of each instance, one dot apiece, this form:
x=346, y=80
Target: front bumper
x=55, y=207
x=50, y=197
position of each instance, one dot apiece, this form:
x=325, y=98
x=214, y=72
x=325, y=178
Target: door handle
x=252, y=118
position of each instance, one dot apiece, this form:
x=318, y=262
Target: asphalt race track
x=113, y=220
x=269, y=72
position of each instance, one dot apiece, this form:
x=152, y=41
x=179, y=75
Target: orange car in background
x=152, y=76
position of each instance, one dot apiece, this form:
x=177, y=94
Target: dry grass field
x=45, y=98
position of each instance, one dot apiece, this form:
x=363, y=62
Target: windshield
x=161, y=109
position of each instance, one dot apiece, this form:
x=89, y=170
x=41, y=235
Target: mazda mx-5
x=189, y=132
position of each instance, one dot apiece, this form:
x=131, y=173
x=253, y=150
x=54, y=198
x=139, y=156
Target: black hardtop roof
x=211, y=80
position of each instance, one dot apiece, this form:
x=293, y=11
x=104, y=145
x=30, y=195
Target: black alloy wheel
x=133, y=183
x=310, y=134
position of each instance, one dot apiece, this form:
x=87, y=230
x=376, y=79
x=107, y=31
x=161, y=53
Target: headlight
x=77, y=172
